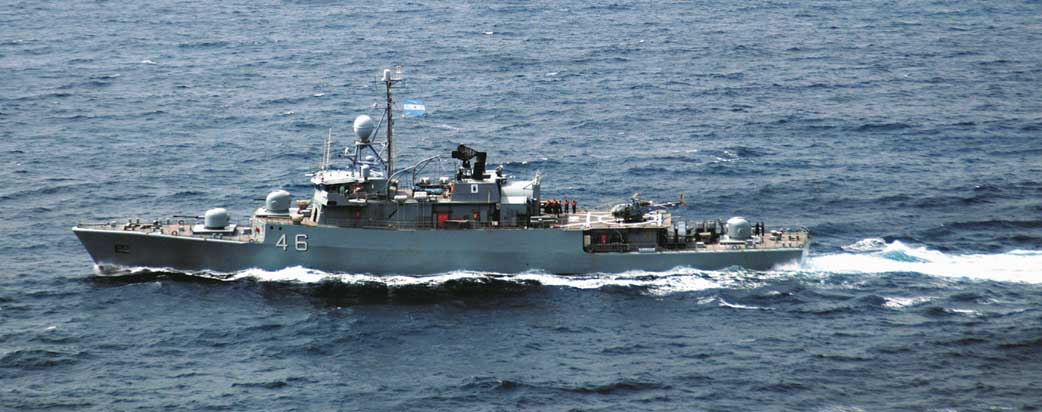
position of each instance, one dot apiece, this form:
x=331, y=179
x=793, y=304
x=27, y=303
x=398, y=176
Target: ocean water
x=906, y=135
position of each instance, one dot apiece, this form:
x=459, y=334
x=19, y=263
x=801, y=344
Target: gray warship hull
x=409, y=252
x=367, y=216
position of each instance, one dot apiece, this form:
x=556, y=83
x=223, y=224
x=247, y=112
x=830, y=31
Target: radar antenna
x=465, y=153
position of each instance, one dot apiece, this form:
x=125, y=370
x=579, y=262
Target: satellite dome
x=216, y=219
x=277, y=202
x=739, y=229
x=364, y=127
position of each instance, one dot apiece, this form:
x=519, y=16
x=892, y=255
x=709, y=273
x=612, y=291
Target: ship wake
x=876, y=256
x=866, y=257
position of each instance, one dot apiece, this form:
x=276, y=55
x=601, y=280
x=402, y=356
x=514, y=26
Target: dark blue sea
x=906, y=135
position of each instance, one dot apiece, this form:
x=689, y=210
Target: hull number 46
x=300, y=243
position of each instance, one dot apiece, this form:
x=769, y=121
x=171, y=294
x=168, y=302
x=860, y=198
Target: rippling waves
x=904, y=135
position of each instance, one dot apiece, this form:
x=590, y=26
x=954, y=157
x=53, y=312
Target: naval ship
x=367, y=216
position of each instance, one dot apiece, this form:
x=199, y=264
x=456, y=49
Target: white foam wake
x=878, y=256
x=679, y=279
x=868, y=256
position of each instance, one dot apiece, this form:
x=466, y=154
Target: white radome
x=364, y=127
x=277, y=202
x=216, y=218
x=739, y=229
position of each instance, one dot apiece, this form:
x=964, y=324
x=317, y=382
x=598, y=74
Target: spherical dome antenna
x=739, y=229
x=277, y=202
x=364, y=127
x=216, y=219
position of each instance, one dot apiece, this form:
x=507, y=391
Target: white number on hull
x=300, y=243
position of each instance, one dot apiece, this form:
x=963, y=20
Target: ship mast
x=390, y=81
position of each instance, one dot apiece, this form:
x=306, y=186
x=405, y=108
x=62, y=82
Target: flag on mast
x=414, y=108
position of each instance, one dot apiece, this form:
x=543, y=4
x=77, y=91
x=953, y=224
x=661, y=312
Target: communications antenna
x=389, y=80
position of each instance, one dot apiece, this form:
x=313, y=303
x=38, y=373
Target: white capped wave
x=967, y=312
x=726, y=304
x=871, y=244
x=877, y=256
x=901, y=302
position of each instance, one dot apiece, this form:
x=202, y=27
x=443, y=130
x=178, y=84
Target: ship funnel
x=364, y=128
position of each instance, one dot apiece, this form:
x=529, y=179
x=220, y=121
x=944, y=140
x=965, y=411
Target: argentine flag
x=413, y=108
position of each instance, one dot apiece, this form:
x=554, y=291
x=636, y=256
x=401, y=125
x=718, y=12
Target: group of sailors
x=557, y=207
